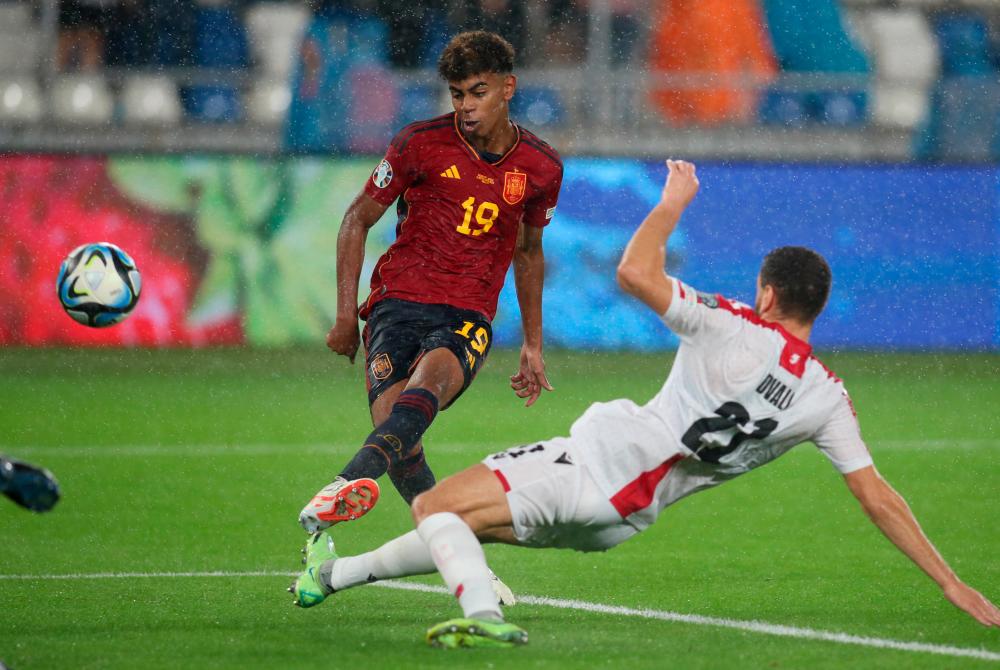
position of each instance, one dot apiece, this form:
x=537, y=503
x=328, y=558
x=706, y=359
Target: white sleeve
x=840, y=439
x=692, y=314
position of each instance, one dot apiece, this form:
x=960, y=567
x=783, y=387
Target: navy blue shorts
x=399, y=332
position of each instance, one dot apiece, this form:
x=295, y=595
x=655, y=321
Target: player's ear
x=509, y=86
x=768, y=297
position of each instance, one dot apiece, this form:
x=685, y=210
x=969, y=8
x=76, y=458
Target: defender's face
x=481, y=102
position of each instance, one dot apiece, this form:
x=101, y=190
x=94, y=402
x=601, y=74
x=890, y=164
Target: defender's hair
x=801, y=279
x=475, y=52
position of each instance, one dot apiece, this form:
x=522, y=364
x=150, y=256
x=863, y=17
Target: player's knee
x=424, y=505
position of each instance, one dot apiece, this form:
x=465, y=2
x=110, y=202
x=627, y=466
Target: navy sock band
x=393, y=440
x=412, y=476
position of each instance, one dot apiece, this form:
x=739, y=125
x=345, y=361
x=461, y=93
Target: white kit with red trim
x=742, y=391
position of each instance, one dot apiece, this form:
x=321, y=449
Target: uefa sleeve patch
x=382, y=174
x=708, y=300
x=549, y=213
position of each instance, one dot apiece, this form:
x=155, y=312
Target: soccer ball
x=98, y=284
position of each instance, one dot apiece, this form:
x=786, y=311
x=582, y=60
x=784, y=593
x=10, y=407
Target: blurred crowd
x=340, y=74
x=130, y=33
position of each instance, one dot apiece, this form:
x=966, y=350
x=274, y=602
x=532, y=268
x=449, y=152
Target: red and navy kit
x=459, y=214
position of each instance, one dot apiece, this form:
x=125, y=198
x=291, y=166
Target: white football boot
x=340, y=500
x=504, y=595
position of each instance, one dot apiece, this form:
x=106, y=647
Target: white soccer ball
x=98, y=284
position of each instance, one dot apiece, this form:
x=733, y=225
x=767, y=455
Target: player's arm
x=362, y=214
x=641, y=271
x=529, y=276
x=892, y=515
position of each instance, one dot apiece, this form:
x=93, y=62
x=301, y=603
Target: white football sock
x=406, y=555
x=460, y=559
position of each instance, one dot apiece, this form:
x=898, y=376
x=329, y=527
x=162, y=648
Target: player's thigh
x=467, y=335
x=554, y=501
x=392, y=339
x=476, y=495
x=440, y=372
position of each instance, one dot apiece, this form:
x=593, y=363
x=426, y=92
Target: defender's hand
x=530, y=379
x=682, y=184
x=974, y=603
x=344, y=337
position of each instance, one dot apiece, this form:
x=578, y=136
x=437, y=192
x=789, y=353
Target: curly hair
x=801, y=278
x=475, y=52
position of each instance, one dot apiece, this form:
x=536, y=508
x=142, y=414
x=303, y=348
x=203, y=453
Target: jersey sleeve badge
x=382, y=174
x=514, y=186
x=708, y=300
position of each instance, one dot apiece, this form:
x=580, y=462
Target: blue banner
x=914, y=251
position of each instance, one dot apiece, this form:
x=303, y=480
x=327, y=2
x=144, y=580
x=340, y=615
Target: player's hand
x=682, y=183
x=530, y=379
x=974, y=603
x=344, y=337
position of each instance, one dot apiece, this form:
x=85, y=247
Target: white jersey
x=742, y=391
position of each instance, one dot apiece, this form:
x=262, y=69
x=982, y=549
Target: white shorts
x=554, y=501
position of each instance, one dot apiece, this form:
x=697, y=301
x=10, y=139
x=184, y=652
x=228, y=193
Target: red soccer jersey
x=458, y=215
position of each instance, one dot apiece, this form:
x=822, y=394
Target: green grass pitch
x=175, y=464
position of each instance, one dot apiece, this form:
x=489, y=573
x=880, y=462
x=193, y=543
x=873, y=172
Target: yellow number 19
x=486, y=216
x=482, y=337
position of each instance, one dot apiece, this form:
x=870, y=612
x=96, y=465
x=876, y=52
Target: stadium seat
x=906, y=59
x=275, y=32
x=965, y=45
x=220, y=43
x=811, y=37
x=151, y=99
x=538, y=106
x=19, y=50
x=213, y=104
x=418, y=101
x=783, y=107
x=81, y=99
x=267, y=103
x=14, y=17
x=20, y=99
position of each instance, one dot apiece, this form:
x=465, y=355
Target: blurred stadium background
x=835, y=79
x=220, y=142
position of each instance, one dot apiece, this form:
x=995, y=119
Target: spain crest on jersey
x=381, y=366
x=514, y=186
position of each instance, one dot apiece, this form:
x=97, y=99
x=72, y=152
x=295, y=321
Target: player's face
x=481, y=103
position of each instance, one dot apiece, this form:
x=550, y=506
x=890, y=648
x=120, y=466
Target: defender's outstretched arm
x=641, y=271
x=892, y=515
x=363, y=213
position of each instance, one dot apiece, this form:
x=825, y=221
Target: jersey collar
x=472, y=149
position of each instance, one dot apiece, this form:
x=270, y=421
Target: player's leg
x=452, y=524
x=413, y=466
x=437, y=350
x=392, y=343
x=476, y=495
x=435, y=380
x=467, y=336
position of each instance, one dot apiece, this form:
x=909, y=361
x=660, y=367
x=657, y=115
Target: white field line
x=194, y=450
x=761, y=627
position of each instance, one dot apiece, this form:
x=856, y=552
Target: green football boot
x=307, y=588
x=476, y=633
